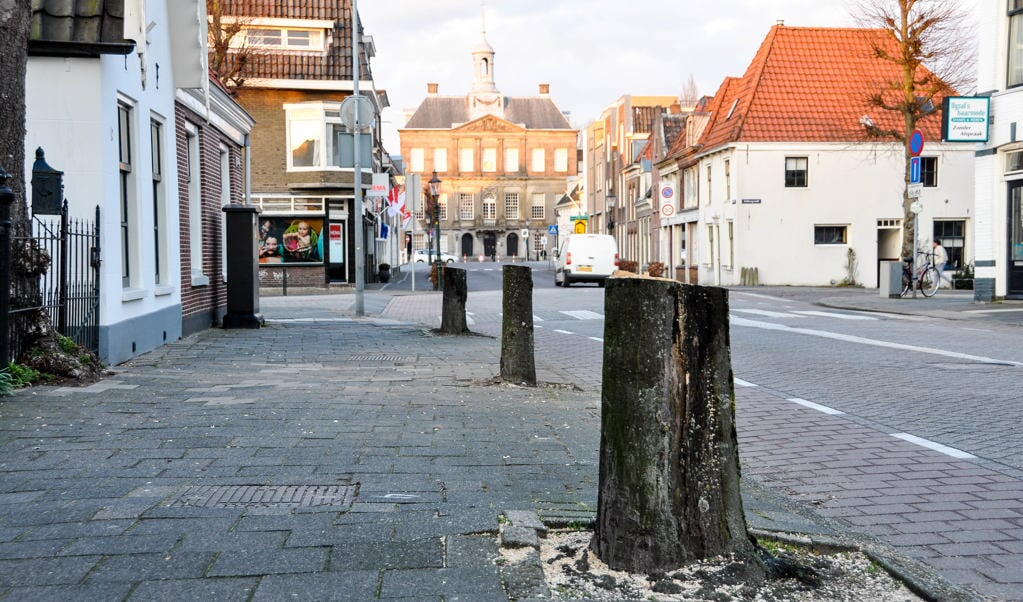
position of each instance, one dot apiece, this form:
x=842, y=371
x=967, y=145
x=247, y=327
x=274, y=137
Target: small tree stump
x=518, y=364
x=669, y=462
x=456, y=292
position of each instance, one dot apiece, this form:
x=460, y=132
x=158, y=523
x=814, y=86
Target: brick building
x=504, y=163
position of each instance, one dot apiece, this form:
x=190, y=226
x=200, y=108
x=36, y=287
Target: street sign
x=552, y=230
x=915, y=190
x=914, y=170
x=667, y=210
x=750, y=201
x=524, y=233
x=916, y=207
x=916, y=143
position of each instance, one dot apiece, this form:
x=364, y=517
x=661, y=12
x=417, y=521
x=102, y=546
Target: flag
x=406, y=215
x=394, y=202
x=383, y=231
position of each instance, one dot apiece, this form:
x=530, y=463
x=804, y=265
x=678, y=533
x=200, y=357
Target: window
x=285, y=38
x=489, y=208
x=1014, y=161
x=710, y=178
x=159, y=239
x=795, y=172
x=538, y=161
x=538, y=209
x=511, y=160
x=728, y=180
x=561, y=160
x=929, y=171
x=952, y=234
x=489, y=159
x=829, y=235
x=690, y=187
x=466, y=160
x=511, y=205
x=730, y=246
x=305, y=136
x=225, y=200
x=465, y=208
x=443, y=201
x=417, y=160
x=1015, y=50
x=195, y=234
x=317, y=139
x=127, y=204
x=440, y=160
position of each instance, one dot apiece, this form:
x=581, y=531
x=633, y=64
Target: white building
x=785, y=184
x=999, y=161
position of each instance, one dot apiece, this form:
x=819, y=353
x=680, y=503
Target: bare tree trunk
x=669, y=462
x=14, y=23
x=518, y=363
x=456, y=293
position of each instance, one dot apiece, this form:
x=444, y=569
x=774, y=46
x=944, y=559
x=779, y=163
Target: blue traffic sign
x=914, y=170
x=552, y=230
x=916, y=143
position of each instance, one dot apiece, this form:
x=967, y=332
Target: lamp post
x=435, y=200
x=610, y=199
x=528, y=224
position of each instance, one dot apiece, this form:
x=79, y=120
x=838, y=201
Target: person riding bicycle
x=940, y=258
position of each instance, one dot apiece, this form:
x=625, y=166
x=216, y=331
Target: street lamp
x=527, y=241
x=435, y=200
x=610, y=199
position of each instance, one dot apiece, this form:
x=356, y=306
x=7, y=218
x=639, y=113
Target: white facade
x=999, y=175
x=748, y=217
x=73, y=113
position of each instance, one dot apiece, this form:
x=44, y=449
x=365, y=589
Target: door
x=467, y=245
x=1015, y=284
x=337, y=268
x=489, y=244
x=513, y=245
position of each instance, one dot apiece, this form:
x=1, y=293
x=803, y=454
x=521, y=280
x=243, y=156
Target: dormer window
x=281, y=35
x=285, y=38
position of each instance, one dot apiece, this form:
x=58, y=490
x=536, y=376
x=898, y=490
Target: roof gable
x=807, y=85
x=490, y=123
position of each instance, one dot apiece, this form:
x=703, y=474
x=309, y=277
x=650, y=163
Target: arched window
x=484, y=67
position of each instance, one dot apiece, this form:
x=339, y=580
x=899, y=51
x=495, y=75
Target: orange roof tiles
x=808, y=85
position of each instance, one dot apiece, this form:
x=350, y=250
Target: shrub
x=627, y=265
x=655, y=269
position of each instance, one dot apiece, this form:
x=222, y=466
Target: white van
x=585, y=258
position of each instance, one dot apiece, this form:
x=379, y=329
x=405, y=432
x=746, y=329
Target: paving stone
x=347, y=585
x=174, y=590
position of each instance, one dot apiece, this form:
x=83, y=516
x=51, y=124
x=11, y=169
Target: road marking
x=944, y=449
x=564, y=331
x=582, y=314
x=829, y=314
x=537, y=318
x=873, y=342
x=596, y=339
x=766, y=313
x=741, y=383
x=816, y=406
x=992, y=311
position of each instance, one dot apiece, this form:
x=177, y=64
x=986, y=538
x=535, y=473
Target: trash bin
x=891, y=279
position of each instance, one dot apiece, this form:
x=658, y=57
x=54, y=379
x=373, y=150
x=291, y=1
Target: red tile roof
x=808, y=85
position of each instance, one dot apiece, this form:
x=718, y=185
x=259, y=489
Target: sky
x=591, y=52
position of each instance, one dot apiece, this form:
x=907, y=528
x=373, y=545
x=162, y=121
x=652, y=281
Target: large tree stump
x=518, y=364
x=456, y=292
x=669, y=461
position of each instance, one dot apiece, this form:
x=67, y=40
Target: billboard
x=965, y=118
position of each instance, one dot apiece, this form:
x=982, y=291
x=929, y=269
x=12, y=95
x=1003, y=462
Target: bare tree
x=690, y=93
x=928, y=43
x=229, y=50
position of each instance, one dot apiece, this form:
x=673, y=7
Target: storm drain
x=379, y=357
x=266, y=496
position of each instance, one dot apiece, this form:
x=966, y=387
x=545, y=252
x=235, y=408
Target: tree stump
x=518, y=364
x=669, y=461
x=456, y=292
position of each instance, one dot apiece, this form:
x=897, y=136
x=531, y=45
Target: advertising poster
x=290, y=240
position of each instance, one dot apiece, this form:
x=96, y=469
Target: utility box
x=242, y=268
x=890, y=284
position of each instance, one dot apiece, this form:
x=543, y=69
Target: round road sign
x=667, y=210
x=916, y=143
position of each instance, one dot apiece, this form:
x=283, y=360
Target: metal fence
x=69, y=290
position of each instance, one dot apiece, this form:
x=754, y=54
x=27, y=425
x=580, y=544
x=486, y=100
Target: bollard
x=518, y=363
x=456, y=293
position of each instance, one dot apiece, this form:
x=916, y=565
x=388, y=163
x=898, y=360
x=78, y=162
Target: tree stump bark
x=456, y=292
x=669, y=461
x=518, y=364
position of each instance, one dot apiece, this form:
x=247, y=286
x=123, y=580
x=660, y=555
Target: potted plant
x=384, y=272
x=962, y=279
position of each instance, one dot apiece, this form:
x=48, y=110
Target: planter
x=962, y=284
x=384, y=273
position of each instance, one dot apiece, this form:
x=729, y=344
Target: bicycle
x=925, y=276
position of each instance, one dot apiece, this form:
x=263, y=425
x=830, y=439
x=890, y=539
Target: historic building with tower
x=503, y=162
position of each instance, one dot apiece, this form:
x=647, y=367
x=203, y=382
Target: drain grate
x=265, y=496
x=379, y=357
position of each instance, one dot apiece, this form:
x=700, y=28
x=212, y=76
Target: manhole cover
x=266, y=496
x=379, y=357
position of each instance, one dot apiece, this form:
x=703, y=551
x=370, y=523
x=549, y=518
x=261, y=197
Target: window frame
x=954, y=242
x=561, y=160
x=821, y=238
x=193, y=173
x=488, y=160
x=511, y=160
x=159, y=195
x=538, y=210
x=929, y=172
x=466, y=205
x=1014, y=43
x=538, y=160
x=511, y=201
x=440, y=160
x=128, y=200
x=795, y=177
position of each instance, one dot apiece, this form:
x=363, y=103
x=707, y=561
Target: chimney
x=545, y=89
x=675, y=108
x=431, y=89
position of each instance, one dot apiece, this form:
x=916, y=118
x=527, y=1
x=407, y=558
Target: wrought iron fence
x=69, y=290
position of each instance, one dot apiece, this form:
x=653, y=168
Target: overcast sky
x=658, y=44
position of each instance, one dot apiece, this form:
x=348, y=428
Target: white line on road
x=992, y=311
x=766, y=313
x=948, y=451
x=596, y=339
x=816, y=406
x=536, y=318
x=583, y=314
x=829, y=314
x=564, y=331
x=741, y=383
x=865, y=341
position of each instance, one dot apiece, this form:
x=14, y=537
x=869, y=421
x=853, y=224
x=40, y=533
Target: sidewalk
x=332, y=457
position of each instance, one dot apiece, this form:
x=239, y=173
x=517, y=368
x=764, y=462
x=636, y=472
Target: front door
x=1015, y=287
x=490, y=244
x=467, y=245
x=513, y=245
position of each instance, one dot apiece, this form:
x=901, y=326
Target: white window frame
x=511, y=160
x=843, y=228
x=489, y=208
x=440, y=160
x=417, y=160
x=561, y=160
x=282, y=38
x=129, y=193
x=466, y=160
x=1014, y=49
x=511, y=205
x=225, y=200
x=538, y=160
x=194, y=180
x=538, y=206
x=157, y=133
x=466, y=200
x=488, y=162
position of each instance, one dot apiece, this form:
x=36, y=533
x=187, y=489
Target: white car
x=424, y=256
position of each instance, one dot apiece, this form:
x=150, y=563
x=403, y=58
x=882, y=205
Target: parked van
x=585, y=258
